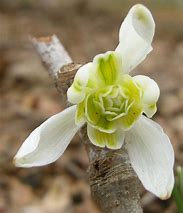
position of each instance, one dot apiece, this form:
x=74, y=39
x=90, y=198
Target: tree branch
x=114, y=184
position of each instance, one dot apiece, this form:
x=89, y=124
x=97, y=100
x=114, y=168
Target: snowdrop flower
x=112, y=104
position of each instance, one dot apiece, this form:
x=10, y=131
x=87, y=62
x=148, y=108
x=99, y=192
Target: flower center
x=113, y=106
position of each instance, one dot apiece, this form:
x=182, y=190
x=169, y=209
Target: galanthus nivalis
x=112, y=103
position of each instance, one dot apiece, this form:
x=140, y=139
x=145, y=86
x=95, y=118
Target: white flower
x=111, y=102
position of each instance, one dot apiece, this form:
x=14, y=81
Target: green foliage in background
x=178, y=190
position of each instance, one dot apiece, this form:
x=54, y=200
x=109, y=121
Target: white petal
x=113, y=140
x=171, y=185
x=48, y=142
x=152, y=157
x=150, y=93
x=76, y=92
x=149, y=87
x=135, y=36
x=149, y=110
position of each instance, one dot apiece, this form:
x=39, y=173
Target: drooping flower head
x=112, y=104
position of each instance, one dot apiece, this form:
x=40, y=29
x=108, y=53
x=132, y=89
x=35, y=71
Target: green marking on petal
x=113, y=140
x=108, y=68
x=149, y=110
x=94, y=136
x=75, y=95
x=133, y=105
x=77, y=85
x=130, y=89
x=92, y=109
x=106, y=125
x=80, y=113
x=95, y=111
x=141, y=15
x=107, y=102
x=127, y=121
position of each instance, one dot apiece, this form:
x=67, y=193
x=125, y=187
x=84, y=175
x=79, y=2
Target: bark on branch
x=114, y=184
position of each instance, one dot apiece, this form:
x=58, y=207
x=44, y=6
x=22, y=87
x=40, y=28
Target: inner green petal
x=92, y=109
x=129, y=88
x=111, y=140
x=107, y=68
x=134, y=111
x=94, y=112
x=105, y=126
x=80, y=113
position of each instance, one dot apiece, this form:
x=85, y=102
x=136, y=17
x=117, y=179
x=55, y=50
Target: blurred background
x=28, y=96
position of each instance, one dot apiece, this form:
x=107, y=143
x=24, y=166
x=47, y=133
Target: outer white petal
x=76, y=92
x=151, y=156
x=48, y=142
x=135, y=36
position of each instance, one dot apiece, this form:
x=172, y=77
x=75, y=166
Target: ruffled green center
x=106, y=98
x=113, y=106
x=112, y=99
